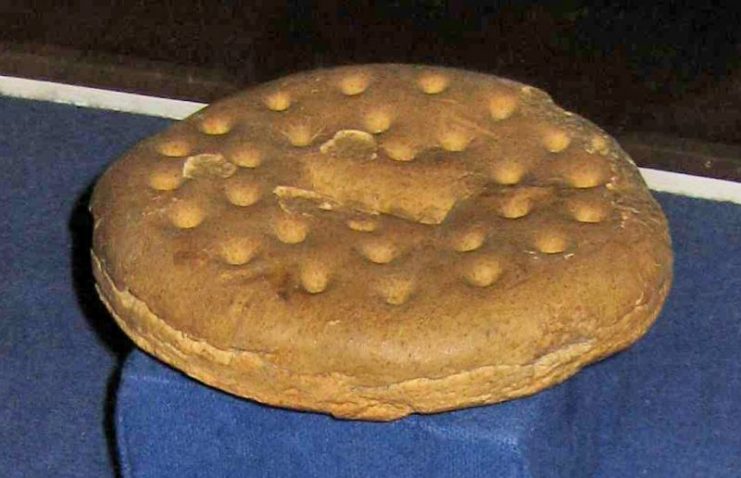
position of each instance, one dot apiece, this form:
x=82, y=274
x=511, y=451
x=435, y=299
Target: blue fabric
x=58, y=349
x=669, y=406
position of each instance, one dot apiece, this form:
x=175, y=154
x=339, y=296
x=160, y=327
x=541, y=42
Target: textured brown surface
x=379, y=240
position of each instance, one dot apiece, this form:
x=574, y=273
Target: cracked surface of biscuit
x=378, y=240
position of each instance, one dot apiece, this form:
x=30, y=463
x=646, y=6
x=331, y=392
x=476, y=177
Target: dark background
x=665, y=77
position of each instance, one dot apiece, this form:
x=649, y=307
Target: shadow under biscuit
x=80, y=226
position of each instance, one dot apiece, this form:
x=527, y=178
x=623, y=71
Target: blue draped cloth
x=58, y=349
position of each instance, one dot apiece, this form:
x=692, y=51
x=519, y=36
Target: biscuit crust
x=379, y=240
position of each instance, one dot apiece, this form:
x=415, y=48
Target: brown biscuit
x=378, y=240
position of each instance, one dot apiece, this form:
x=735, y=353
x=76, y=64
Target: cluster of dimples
x=529, y=160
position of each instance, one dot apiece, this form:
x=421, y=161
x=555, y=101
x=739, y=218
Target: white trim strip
x=657, y=180
x=693, y=186
x=97, y=98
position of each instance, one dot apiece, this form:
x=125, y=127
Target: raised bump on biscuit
x=482, y=272
x=242, y=192
x=502, y=106
x=556, y=140
x=599, y=144
x=399, y=150
x=515, y=207
x=314, y=276
x=215, y=125
x=300, y=134
x=237, y=251
x=186, y=214
x=377, y=121
x=585, y=176
x=362, y=224
x=507, y=172
x=454, y=139
x=246, y=156
x=469, y=240
x=433, y=83
x=378, y=251
x=166, y=177
x=354, y=84
x=588, y=211
x=278, y=101
x=396, y=290
x=174, y=147
x=290, y=229
x=551, y=242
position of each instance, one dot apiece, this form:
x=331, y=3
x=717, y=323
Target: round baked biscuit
x=379, y=240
